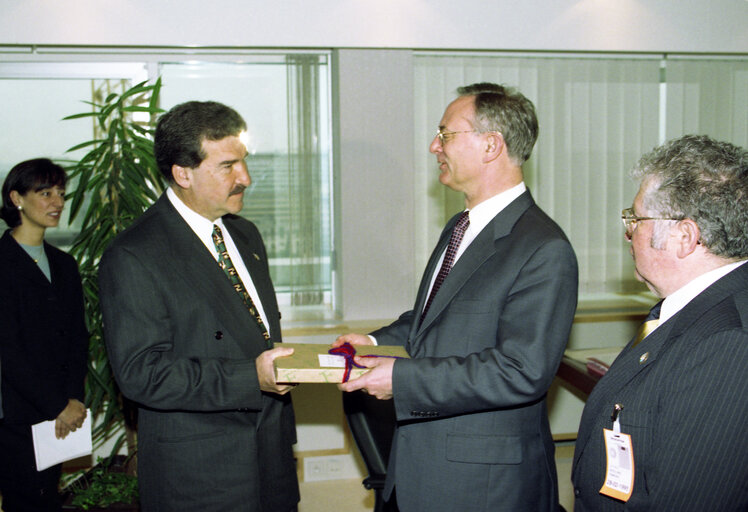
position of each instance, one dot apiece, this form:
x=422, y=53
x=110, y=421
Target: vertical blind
x=597, y=116
x=708, y=96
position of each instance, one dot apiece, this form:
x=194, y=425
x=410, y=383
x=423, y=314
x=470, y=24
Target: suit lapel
x=629, y=363
x=258, y=271
x=22, y=262
x=431, y=267
x=724, y=287
x=633, y=360
x=197, y=269
x=481, y=249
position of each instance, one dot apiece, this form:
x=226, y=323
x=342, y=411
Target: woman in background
x=43, y=337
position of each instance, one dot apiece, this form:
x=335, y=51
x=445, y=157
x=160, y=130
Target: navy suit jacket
x=473, y=432
x=684, y=391
x=183, y=346
x=43, y=336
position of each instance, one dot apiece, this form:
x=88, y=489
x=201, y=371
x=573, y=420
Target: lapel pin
x=256, y=256
x=643, y=357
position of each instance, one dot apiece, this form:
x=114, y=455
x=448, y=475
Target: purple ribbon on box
x=348, y=352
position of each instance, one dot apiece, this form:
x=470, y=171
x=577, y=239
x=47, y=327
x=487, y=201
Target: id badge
x=619, y=473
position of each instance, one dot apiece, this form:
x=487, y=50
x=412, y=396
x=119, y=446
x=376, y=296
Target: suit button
x=576, y=491
x=218, y=335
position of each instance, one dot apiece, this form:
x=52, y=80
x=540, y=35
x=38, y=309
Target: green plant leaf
x=115, y=181
x=136, y=108
x=82, y=114
x=83, y=145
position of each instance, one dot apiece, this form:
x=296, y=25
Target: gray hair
x=505, y=110
x=696, y=177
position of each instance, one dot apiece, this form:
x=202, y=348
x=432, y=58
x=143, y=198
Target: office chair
x=372, y=423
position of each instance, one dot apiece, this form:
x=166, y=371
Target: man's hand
x=70, y=419
x=266, y=371
x=377, y=381
x=353, y=339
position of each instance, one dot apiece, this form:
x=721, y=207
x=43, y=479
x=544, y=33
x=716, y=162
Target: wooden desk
x=573, y=368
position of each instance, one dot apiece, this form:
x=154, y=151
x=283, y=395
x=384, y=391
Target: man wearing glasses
x=665, y=428
x=487, y=331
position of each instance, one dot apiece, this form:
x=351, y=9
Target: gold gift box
x=304, y=364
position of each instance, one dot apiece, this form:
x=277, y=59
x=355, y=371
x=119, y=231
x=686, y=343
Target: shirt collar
x=678, y=299
x=483, y=213
x=202, y=227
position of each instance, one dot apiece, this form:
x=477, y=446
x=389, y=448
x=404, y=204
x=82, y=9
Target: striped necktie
x=449, y=257
x=224, y=261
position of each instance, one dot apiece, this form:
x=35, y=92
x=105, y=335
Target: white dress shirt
x=203, y=228
x=681, y=297
x=479, y=217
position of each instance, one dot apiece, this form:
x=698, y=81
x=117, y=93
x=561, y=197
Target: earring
x=19, y=207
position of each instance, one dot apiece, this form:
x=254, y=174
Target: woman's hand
x=70, y=419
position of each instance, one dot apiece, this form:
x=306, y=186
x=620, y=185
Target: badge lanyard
x=619, y=473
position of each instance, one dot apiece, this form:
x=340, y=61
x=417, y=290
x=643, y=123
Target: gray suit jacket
x=473, y=432
x=183, y=346
x=685, y=406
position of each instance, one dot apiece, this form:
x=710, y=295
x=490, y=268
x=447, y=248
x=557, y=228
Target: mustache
x=239, y=189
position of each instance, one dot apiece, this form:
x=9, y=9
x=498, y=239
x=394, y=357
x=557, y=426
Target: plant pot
x=101, y=484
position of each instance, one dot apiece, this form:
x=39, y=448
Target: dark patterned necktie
x=649, y=324
x=449, y=258
x=224, y=261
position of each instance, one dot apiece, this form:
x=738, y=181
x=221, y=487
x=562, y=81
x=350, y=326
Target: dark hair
x=31, y=175
x=181, y=131
x=507, y=111
x=696, y=177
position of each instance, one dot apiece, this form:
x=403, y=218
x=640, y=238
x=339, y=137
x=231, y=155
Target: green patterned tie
x=224, y=261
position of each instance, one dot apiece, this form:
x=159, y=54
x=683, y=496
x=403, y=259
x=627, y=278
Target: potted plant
x=107, y=486
x=113, y=183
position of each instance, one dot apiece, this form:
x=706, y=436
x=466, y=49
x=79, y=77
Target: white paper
x=50, y=451
x=331, y=361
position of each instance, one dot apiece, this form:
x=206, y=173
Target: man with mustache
x=190, y=318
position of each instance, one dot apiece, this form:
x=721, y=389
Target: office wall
x=374, y=105
x=581, y=25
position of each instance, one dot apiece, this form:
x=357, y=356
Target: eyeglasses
x=630, y=220
x=444, y=135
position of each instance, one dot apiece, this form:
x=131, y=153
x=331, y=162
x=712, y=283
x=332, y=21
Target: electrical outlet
x=322, y=468
x=334, y=467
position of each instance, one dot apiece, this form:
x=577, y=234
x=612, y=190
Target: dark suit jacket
x=183, y=346
x=43, y=336
x=685, y=406
x=473, y=431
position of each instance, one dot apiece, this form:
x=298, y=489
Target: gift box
x=311, y=362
